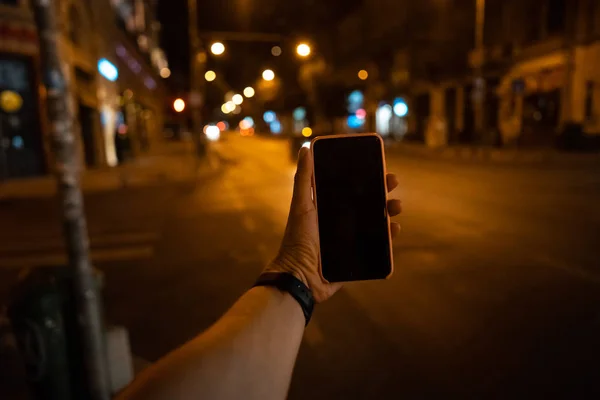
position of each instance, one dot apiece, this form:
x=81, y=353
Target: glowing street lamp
x=303, y=50
x=249, y=92
x=165, y=72
x=400, y=107
x=217, y=48
x=230, y=106
x=268, y=75
x=179, y=105
x=210, y=76
x=237, y=99
x=225, y=109
x=276, y=51
x=363, y=75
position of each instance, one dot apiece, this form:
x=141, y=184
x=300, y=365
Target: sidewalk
x=175, y=163
x=501, y=156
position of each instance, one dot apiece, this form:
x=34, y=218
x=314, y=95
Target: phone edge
x=314, y=192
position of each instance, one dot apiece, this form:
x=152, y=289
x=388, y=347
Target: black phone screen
x=351, y=208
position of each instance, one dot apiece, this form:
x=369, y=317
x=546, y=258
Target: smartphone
x=350, y=195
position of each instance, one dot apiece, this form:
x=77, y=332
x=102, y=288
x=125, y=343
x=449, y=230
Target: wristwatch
x=294, y=286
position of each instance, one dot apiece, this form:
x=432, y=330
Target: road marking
x=565, y=267
x=53, y=259
x=236, y=200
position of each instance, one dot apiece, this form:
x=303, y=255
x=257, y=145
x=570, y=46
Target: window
x=74, y=26
x=22, y=152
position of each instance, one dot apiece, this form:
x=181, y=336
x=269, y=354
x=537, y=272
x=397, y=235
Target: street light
x=165, y=72
x=178, y=105
x=249, y=92
x=268, y=75
x=210, y=76
x=303, y=50
x=230, y=106
x=237, y=99
x=363, y=75
x=276, y=51
x=225, y=109
x=217, y=48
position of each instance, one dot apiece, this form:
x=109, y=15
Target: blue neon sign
x=108, y=69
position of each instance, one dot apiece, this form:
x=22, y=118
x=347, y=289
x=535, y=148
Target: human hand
x=299, y=252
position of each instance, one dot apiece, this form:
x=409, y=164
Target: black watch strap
x=294, y=286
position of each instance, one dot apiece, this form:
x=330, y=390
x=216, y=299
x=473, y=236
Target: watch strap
x=295, y=287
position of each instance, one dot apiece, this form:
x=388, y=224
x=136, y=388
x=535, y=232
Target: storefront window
x=21, y=150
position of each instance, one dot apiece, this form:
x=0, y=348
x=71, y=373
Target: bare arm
x=249, y=353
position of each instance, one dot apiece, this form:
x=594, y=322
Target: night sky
x=243, y=62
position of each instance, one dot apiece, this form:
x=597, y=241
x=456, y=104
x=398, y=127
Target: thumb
x=302, y=199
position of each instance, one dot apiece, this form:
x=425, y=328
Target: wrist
x=280, y=265
x=288, y=282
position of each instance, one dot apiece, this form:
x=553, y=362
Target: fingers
x=392, y=182
x=302, y=199
x=394, y=207
x=395, y=228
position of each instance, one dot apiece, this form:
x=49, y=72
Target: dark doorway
x=540, y=118
x=491, y=109
x=450, y=108
x=466, y=135
x=421, y=116
x=87, y=119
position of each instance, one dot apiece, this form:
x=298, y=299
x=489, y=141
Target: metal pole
x=67, y=171
x=479, y=83
x=197, y=66
x=3, y=158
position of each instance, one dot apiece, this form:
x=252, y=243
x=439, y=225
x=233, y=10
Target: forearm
x=249, y=353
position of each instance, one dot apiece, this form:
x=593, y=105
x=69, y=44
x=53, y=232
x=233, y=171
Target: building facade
x=531, y=75
x=414, y=56
x=541, y=64
x=112, y=61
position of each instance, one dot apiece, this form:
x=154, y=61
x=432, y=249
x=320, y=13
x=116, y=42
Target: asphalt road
x=496, y=292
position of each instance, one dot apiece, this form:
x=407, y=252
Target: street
x=496, y=290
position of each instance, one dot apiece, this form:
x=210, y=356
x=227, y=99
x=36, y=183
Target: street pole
x=479, y=83
x=66, y=168
x=197, y=67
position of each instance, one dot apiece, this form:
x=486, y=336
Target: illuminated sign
x=269, y=116
x=10, y=101
x=299, y=114
x=108, y=69
x=400, y=107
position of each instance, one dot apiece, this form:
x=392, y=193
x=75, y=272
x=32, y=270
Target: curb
x=176, y=171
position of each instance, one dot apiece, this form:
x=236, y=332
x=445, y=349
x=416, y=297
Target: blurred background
x=189, y=116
